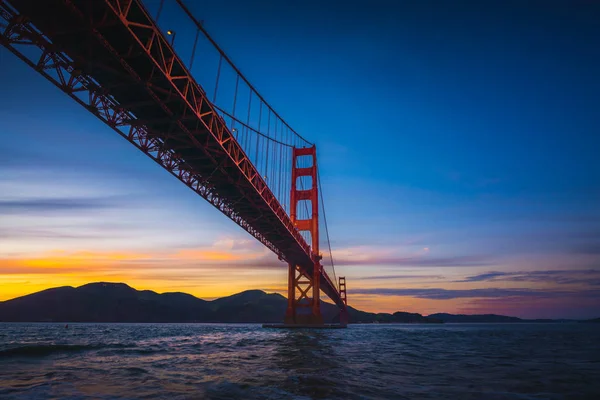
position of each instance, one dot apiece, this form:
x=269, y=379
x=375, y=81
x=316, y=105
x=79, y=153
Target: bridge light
x=172, y=34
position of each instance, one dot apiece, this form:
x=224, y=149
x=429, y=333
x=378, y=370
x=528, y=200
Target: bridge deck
x=114, y=46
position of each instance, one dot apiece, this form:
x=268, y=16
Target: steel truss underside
x=110, y=57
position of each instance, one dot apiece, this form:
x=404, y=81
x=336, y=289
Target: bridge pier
x=304, y=305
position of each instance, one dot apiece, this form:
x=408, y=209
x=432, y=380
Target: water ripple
x=127, y=361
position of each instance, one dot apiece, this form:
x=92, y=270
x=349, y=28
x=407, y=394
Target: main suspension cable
x=239, y=121
x=200, y=26
x=327, y=230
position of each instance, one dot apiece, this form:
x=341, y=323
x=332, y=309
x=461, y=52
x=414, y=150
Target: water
x=192, y=361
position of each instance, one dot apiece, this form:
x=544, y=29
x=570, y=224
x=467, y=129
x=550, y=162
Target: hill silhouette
x=462, y=318
x=592, y=321
x=118, y=302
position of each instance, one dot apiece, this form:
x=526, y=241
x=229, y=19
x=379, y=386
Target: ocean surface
x=195, y=361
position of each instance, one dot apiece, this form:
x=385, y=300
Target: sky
x=458, y=150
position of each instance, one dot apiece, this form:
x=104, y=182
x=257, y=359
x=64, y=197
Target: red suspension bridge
x=212, y=130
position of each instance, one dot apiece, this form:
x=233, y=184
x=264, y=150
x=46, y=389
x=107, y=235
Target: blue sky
x=458, y=146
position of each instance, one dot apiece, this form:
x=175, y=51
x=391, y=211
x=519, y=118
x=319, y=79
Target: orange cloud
x=204, y=272
x=64, y=259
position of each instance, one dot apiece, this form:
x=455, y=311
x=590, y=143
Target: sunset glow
x=455, y=179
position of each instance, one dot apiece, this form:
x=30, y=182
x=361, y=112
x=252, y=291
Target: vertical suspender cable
x=270, y=149
x=288, y=153
x=246, y=136
x=276, y=170
x=281, y=184
x=160, y=6
x=264, y=150
x=268, y=134
x=327, y=229
x=199, y=25
x=217, y=82
x=237, y=81
x=285, y=175
x=194, y=49
x=273, y=162
x=258, y=136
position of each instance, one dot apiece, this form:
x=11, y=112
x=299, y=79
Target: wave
x=43, y=350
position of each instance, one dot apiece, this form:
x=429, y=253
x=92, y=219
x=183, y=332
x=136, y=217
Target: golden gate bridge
x=211, y=129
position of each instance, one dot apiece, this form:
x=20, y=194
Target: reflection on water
x=310, y=360
x=525, y=361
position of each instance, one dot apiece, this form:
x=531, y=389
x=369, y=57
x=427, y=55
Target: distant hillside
x=592, y=321
x=104, y=302
x=462, y=318
x=494, y=318
x=118, y=302
x=398, y=317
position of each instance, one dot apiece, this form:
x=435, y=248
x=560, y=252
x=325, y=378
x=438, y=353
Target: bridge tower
x=343, y=311
x=304, y=306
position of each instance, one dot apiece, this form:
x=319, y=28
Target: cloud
x=483, y=277
x=49, y=234
x=423, y=258
x=456, y=261
x=576, y=276
x=54, y=205
x=225, y=254
x=399, y=277
x=448, y=294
